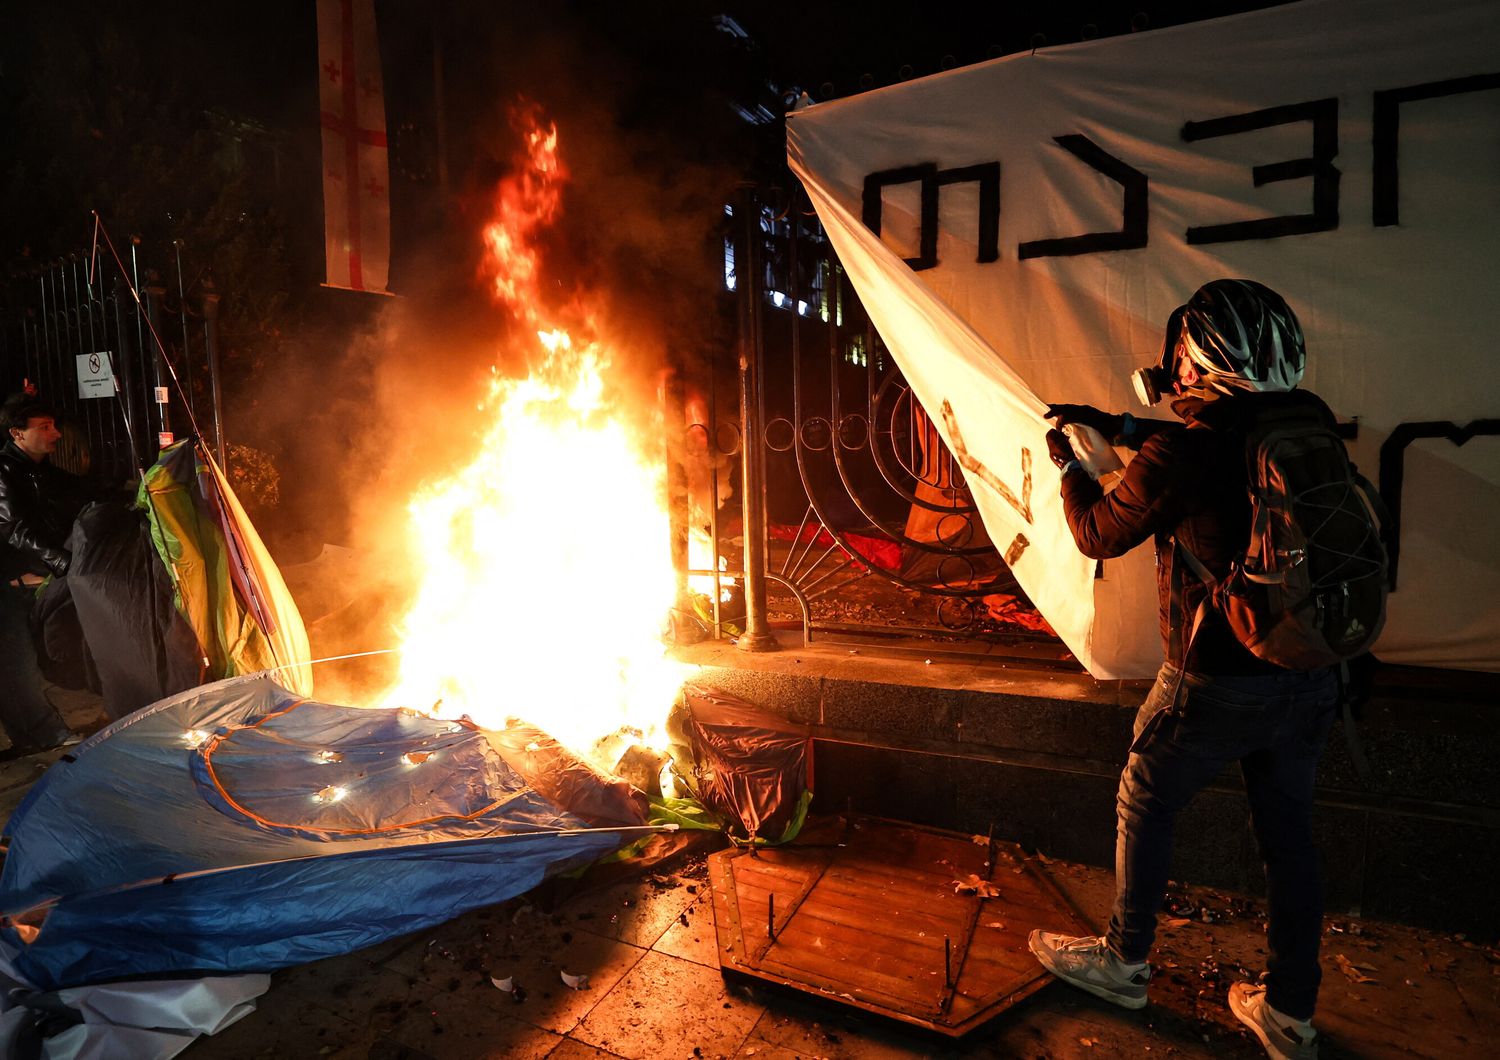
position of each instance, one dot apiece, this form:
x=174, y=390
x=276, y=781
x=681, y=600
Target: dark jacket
x=1188, y=480
x=38, y=504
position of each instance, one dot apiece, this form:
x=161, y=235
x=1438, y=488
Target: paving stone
x=576, y=1050
x=81, y=709
x=1433, y=996
x=550, y=1003
x=459, y=947
x=694, y=940
x=532, y=948
x=1432, y=872
x=800, y=1026
x=668, y=1007
x=372, y=998
x=634, y=911
x=309, y=1033
x=455, y=1027
x=293, y=1021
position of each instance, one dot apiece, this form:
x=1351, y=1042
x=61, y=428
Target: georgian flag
x=356, y=170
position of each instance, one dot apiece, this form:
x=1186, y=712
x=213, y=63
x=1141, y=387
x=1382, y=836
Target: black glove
x=1105, y=423
x=1060, y=449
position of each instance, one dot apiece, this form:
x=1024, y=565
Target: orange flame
x=525, y=204
x=544, y=565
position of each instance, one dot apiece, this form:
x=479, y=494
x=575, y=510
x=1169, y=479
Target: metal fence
x=851, y=505
x=75, y=330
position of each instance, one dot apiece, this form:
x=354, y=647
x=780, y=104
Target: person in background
x=38, y=504
x=1232, y=354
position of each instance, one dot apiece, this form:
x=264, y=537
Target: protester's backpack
x=1310, y=589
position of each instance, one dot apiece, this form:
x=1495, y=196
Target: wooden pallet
x=864, y=911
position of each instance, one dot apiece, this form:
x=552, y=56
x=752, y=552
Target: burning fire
x=525, y=204
x=545, y=567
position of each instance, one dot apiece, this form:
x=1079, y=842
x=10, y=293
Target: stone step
x=957, y=741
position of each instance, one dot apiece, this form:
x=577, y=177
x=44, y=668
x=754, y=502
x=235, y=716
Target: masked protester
x=38, y=504
x=1232, y=354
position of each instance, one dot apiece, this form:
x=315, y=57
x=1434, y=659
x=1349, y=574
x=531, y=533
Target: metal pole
x=125, y=369
x=757, y=637
x=98, y=342
x=676, y=446
x=161, y=393
x=711, y=449
x=141, y=376
x=187, y=349
x=43, y=378
x=88, y=410
x=211, y=341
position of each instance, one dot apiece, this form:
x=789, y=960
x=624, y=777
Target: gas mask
x=1151, y=384
x=1156, y=382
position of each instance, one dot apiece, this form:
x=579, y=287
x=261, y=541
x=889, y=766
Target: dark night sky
x=197, y=120
x=663, y=58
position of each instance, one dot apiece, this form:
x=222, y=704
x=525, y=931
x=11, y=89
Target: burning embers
x=544, y=564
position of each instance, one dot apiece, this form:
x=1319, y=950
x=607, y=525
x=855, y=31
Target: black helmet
x=1242, y=335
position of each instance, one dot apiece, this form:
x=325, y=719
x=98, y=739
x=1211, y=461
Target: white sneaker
x=1087, y=963
x=1283, y=1037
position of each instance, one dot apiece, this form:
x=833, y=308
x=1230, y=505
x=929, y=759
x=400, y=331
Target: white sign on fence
x=95, y=378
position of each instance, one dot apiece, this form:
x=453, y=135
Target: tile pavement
x=655, y=990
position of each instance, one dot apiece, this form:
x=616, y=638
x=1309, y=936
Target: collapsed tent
x=1020, y=231
x=747, y=767
x=171, y=592
x=241, y=827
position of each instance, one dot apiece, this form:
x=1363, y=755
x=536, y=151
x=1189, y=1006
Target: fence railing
x=856, y=517
x=74, y=329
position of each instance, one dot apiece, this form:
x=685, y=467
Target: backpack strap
x=1209, y=584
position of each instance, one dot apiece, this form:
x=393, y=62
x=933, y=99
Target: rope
x=187, y=405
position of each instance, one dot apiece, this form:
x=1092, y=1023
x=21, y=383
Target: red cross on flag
x=356, y=169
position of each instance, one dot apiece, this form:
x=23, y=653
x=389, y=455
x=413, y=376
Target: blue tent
x=238, y=827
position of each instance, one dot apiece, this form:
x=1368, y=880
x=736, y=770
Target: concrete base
x=963, y=742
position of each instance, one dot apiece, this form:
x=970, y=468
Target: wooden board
x=865, y=911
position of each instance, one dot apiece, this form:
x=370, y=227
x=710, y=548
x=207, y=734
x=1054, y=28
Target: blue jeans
x=1274, y=726
x=30, y=719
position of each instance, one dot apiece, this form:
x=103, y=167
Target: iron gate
x=847, y=493
x=75, y=329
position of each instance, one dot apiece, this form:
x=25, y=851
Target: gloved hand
x=1105, y=423
x=1060, y=449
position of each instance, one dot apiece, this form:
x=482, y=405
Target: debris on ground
x=1355, y=973
x=972, y=884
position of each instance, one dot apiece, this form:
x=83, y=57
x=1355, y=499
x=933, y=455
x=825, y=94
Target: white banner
x=1053, y=208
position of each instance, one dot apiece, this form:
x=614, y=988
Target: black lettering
x=1132, y=233
x=987, y=176
x=1386, y=206
x=1393, y=469
x=931, y=179
x=1324, y=116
